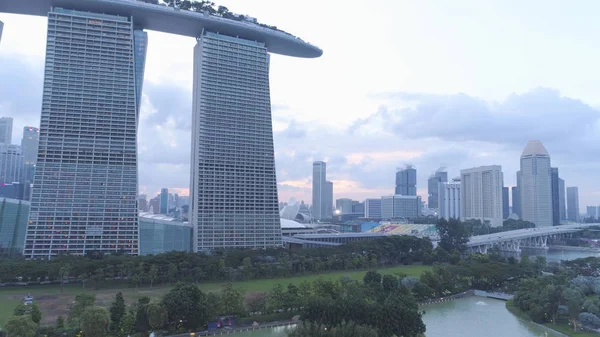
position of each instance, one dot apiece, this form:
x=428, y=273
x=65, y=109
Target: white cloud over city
x=410, y=84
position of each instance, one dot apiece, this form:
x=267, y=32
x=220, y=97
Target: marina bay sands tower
x=85, y=187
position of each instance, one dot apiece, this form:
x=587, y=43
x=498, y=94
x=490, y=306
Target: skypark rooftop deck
x=174, y=21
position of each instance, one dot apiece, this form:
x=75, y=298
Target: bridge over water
x=513, y=241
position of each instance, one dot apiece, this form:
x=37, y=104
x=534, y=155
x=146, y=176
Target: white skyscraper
x=536, y=184
x=449, y=199
x=481, y=194
x=6, y=126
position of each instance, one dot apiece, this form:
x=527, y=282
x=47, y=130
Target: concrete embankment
x=481, y=293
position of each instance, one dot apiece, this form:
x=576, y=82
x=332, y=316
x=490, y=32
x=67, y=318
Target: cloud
x=294, y=130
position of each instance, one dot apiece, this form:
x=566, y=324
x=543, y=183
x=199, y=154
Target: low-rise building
x=160, y=234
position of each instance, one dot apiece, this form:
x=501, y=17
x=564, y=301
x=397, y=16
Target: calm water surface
x=477, y=317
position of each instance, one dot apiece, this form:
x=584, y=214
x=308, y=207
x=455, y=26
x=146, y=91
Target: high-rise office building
x=12, y=168
x=142, y=203
x=164, y=201
x=29, y=144
x=234, y=189
x=344, y=205
x=536, y=184
x=406, y=181
x=6, y=126
x=591, y=211
x=573, y=204
x=562, y=203
x=481, y=194
x=328, y=200
x=505, y=203
x=85, y=187
x=373, y=208
x=555, y=196
x=516, y=200
x=440, y=176
x=319, y=190
x=449, y=199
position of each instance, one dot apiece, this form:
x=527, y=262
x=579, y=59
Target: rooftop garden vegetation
x=209, y=7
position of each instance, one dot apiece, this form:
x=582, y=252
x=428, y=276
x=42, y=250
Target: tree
x=574, y=305
x=36, y=314
x=21, y=326
x=186, y=304
x=95, y=321
x=82, y=301
x=372, y=277
x=589, y=320
x=127, y=325
x=152, y=275
x=453, y=234
x=63, y=273
x=117, y=311
x=20, y=310
x=141, y=317
x=247, y=265
x=157, y=315
x=232, y=301
x=60, y=322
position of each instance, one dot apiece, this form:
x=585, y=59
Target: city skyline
x=367, y=142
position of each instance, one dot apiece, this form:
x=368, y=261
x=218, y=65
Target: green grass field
x=53, y=303
x=566, y=329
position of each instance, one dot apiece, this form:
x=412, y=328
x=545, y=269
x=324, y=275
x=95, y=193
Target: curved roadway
x=171, y=20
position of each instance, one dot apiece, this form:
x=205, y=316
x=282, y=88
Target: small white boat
x=481, y=303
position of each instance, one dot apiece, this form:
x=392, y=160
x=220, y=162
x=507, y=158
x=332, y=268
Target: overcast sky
x=431, y=83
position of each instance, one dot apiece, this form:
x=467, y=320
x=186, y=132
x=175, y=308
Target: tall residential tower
x=85, y=186
x=481, y=194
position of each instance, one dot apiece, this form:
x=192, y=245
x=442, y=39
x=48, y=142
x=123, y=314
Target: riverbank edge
x=519, y=314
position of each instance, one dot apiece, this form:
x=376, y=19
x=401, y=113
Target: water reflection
x=477, y=317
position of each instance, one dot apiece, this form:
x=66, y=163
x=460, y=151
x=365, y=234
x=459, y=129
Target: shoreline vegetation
x=562, y=329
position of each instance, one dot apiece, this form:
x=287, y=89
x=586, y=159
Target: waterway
x=471, y=316
x=557, y=255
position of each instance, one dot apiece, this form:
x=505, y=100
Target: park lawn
x=566, y=329
x=52, y=303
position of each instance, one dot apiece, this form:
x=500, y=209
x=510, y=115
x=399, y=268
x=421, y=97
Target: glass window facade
x=85, y=185
x=161, y=236
x=233, y=185
x=13, y=223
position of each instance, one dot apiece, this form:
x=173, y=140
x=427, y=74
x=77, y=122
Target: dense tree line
x=570, y=295
x=378, y=306
x=96, y=270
